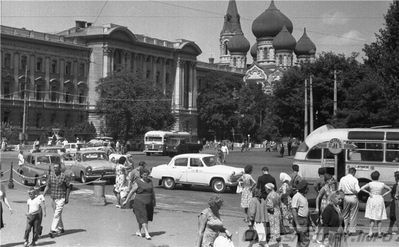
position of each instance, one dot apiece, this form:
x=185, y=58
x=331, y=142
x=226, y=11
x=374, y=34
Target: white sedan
x=197, y=169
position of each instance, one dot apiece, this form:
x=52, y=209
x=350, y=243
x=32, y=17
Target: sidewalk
x=88, y=225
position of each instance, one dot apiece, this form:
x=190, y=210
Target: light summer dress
x=375, y=207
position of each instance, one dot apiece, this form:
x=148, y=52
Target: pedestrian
x=257, y=214
x=295, y=179
x=3, y=145
x=394, y=205
x=210, y=224
x=263, y=180
x=21, y=159
x=134, y=174
x=322, y=200
x=320, y=182
x=225, y=151
x=375, y=206
x=143, y=203
x=273, y=203
x=300, y=213
x=268, y=146
x=286, y=212
x=282, y=149
x=3, y=198
x=36, y=210
x=118, y=147
x=289, y=147
x=350, y=186
x=120, y=180
x=58, y=185
x=247, y=183
x=333, y=219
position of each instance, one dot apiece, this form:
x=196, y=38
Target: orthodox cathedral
x=273, y=51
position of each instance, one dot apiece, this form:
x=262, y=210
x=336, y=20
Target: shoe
x=138, y=234
x=40, y=230
x=118, y=206
x=369, y=236
x=32, y=244
x=26, y=244
x=148, y=237
x=52, y=234
x=380, y=235
x=62, y=230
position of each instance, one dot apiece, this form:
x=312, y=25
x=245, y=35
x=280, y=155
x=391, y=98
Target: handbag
x=239, y=188
x=250, y=235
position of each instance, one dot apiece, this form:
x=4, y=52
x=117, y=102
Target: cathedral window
x=68, y=68
x=53, y=66
x=39, y=64
x=24, y=62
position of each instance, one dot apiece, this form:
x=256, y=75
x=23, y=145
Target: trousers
x=302, y=232
x=351, y=208
x=58, y=206
x=33, y=221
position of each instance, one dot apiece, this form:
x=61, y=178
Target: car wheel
x=168, y=183
x=218, y=185
x=83, y=179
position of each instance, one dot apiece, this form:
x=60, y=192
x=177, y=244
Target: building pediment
x=255, y=73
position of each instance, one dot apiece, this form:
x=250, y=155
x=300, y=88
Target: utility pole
x=25, y=110
x=305, y=133
x=335, y=93
x=311, y=103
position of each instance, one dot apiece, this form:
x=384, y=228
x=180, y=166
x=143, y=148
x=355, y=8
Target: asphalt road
x=195, y=197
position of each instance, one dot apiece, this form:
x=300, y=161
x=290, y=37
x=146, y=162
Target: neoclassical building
x=63, y=70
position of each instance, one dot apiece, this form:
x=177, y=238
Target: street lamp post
x=23, y=138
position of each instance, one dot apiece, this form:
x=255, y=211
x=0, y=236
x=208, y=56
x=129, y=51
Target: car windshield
x=48, y=159
x=210, y=161
x=94, y=156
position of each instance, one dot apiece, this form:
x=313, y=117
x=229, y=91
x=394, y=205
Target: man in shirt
x=263, y=180
x=350, y=186
x=300, y=213
x=58, y=184
x=225, y=151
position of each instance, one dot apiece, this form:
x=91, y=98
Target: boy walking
x=35, y=204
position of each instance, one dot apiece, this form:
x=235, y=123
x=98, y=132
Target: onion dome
x=284, y=40
x=238, y=43
x=254, y=50
x=270, y=22
x=305, y=46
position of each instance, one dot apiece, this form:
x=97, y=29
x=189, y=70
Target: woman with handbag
x=210, y=224
x=247, y=183
x=273, y=202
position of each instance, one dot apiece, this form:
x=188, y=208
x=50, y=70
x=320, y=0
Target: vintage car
x=37, y=166
x=197, y=169
x=91, y=164
x=51, y=149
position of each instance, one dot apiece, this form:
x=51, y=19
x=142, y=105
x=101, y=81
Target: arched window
x=225, y=50
x=234, y=62
x=265, y=53
x=6, y=88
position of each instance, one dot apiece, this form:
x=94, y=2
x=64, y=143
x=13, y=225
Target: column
x=144, y=57
x=195, y=86
x=107, y=52
x=154, y=62
x=163, y=75
x=31, y=75
x=177, y=85
x=17, y=82
x=134, y=58
x=47, y=78
x=190, y=85
x=61, y=81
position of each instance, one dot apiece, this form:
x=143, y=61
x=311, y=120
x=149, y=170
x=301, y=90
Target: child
x=35, y=204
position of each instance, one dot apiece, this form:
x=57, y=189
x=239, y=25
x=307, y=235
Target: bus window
x=153, y=139
x=392, y=153
x=314, y=153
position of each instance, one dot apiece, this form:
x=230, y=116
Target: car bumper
x=93, y=176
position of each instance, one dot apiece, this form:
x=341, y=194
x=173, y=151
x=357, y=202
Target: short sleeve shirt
x=58, y=185
x=34, y=204
x=301, y=204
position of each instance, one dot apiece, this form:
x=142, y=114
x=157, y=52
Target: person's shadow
x=22, y=243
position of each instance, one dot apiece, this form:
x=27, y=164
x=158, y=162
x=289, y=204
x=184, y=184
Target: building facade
x=63, y=70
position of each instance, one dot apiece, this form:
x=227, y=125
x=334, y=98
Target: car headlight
x=89, y=169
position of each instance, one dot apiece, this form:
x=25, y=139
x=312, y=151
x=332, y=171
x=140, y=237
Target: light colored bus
x=377, y=149
x=155, y=141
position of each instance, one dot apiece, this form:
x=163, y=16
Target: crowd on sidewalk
x=271, y=212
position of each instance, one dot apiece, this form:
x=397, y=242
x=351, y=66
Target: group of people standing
x=274, y=211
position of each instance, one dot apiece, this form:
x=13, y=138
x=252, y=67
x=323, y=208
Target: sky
x=338, y=26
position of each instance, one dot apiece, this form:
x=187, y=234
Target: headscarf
x=269, y=186
x=285, y=177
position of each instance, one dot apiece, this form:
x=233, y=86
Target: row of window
x=38, y=120
x=364, y=152
x=39, y=65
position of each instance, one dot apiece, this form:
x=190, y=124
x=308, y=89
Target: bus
x=371, y=149
x=156, y=141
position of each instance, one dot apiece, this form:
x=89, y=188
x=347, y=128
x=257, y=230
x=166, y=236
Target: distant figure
x=263, y=180
x=225, y=151
x=289, y=147
x=118, y=147
x=21, y=159
x=36, y=144
x=282, y=149
x=219, y=153
x=268, y=146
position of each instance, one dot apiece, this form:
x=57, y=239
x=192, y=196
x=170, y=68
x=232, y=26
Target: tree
x=217, y=106
x=382, y=56
x=131, y=106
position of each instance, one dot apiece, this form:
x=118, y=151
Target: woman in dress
x=375, y=207
x=210, y=224
x=333, y=219
x=144, y=202
x=394, y=206
x=120, y=179
x=286, y=212
x=247, y=183
x=257, y=214
x=3, y=197
x=273, y=203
